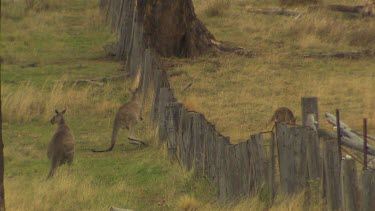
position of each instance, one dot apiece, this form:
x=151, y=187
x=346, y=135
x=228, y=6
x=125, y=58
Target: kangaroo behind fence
x=127, y=116
x=61, y=147
x=282, y=114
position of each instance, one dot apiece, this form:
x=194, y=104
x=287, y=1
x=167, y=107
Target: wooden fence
x=289, y=161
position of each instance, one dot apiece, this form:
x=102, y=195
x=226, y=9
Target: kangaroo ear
x=56, y=111
x=63, y=112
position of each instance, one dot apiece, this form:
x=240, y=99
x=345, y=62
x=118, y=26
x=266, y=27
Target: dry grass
x=216, y=8
x=27, y=102
x=239, y=94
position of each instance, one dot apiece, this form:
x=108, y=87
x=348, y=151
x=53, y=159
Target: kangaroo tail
x=113, y=140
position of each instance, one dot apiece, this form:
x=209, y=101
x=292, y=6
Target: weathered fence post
x=222, y=144
x=368, y=190
x=166, y=96
x=173, y=111
x=244, y=159
x=292, y=152
x=211, y=153
x=183, y=131
x=271, y=168
x=331, y=164
x=258, y=163
x=198, y=143
x=349, y=185
x=309, y=106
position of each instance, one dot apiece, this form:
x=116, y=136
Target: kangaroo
x=127, y=117
x=283, y=114
x=61, y=147
x=368, y=9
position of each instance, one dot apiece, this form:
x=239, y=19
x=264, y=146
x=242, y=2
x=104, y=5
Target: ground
x=45, y=52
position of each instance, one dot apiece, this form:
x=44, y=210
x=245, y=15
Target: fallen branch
x=187, y=86
x=349, y=139
x=359, y=9
x=137, y=142
x=347, y=142
x=100, y=81
x=343, y=55
x=273, y=11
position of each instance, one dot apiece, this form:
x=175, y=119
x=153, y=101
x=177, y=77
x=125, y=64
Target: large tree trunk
x=170, y=27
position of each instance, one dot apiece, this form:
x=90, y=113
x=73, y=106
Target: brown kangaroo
x=127, y=117
x=283, y=114
x=61, y=147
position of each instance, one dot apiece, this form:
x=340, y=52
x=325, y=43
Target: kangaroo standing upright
x=283, y=114
x=127, y=117
x=61, y=147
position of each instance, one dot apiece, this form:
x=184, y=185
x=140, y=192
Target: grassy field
x=44, y=50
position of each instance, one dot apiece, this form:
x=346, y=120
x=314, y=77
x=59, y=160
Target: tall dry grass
x=216, y=8
x=26, y=102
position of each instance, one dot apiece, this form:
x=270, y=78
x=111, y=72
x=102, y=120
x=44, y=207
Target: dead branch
x=349, y=138
x=343, y=55
x=359, y=9
x=100, y=81
x=186, y=87
x=276, y=11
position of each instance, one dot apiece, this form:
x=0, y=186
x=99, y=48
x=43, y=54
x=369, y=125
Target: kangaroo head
x=58, y=118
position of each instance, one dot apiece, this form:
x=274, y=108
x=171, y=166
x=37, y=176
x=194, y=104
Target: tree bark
x=169, y=27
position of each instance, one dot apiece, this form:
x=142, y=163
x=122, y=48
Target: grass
x=237, y=94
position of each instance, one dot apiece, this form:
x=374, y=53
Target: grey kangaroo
x=283, y=114
x=61, y=147
x=127, y=117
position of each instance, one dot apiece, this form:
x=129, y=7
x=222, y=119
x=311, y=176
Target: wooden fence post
x=211, y=153
x=292, y=154
x=222, y=143
x=258, y=163
x=173, y=111
x=244, y=159
x=309, y=106
x=271, y=168
x=182, y=136
x=331, y=164
x=198, y=143
x=166, y=96
x=368, y=190
x=349, y=185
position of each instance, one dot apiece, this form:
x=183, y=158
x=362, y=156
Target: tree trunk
x=172, y=28
x=169, y=27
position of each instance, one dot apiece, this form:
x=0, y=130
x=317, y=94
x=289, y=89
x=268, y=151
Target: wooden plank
x=292, y=155
x=198, y=144
x=349, y=185
x=166, y=96
x=211, y=146
x=331, y=164
x=244, y=159
x=222, y=143
x=368, y=190
x=258, y=163
x=173, y=111
x=125, y=28
x=271, y=169
x=313, y=154
x=182, y=130
x=187, y=141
